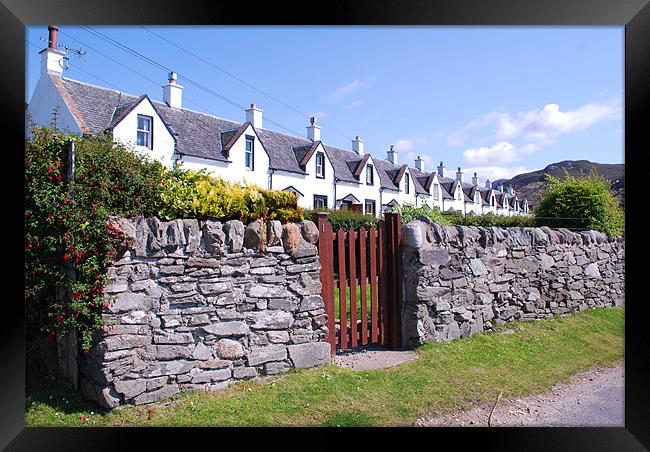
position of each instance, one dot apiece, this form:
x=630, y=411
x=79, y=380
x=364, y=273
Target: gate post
x=326, y=257
x=394, y=261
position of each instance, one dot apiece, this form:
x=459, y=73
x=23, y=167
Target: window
x=370, y=207
x=144, y=137
x=436, y=196
x=249, y=153
x=458, y=194
x=370, y=175
x=406, y=183
x=320, y=202
x=492, y=203
x=320, y=165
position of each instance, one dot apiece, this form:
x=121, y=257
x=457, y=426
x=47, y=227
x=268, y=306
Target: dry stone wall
x=196, y=305
x=463, y=280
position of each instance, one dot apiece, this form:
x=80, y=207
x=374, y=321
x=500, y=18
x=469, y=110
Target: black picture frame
x=634, y=15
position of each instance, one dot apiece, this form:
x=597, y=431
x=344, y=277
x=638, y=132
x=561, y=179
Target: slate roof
x=341, y=161
x=99, y=109
x=420, y=180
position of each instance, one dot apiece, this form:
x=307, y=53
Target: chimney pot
x=441, y=169
x=313, y=130
x=392, y=154
x=53, y=36
x=459, y=175
x=173, y=92
x=254, y=116
x=357, y=145
x=419, y=163
x=51, y=57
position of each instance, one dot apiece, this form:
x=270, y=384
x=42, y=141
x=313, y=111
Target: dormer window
x=249, y=153
x=320, y=165
x=144, y=136
x=406, y=183
x=370, y=176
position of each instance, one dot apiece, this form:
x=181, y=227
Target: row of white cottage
x=319, y=174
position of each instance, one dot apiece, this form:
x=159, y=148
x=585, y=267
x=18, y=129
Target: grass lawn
x=445, y=376
x=337, y=305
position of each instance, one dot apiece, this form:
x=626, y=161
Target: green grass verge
x=444, y=377
x=337, y=303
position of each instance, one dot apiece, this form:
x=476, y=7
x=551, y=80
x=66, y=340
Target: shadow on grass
x=60, y=399
x=346, y=419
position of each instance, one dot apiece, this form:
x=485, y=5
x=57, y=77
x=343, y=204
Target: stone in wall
x=196, y=305
x=463, y=280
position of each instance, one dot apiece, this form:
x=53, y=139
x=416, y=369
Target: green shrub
x=66, y=223
x=196, y=194
x=346, y=219
x=410, y=212
x=490, y=219
x=581, y=202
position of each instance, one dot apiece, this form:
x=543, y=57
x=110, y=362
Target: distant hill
x=530, y=185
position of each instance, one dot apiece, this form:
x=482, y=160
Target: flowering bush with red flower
x=66, y=224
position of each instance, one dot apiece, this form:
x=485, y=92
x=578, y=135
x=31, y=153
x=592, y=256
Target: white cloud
x=354, y=104
x=407, y=144
x=410, y=157
x=355, y=85
x=539, y=127
x=495, y=172
x=546, y=124
x=502, y=152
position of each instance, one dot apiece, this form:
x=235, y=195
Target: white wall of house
x=308, y=184
x=45, y=99
x=236, y=170
x=127, y=132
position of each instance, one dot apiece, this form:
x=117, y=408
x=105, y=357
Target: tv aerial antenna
x=78, y=52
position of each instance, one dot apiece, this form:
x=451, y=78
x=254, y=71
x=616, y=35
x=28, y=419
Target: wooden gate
x=361, y=274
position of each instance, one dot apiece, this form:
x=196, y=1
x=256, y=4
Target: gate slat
x=383, y=281
x=353, y=286
x=326, y=257
x=374, y=329
x=342, y=290
x=363, y=277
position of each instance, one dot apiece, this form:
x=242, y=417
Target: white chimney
x=510, y=190
x=173, y=93
x=391, y=155
x=441, y=170
x=419, y=164
x=475, y=180
x=459, y=175
x=51, y=57
x=357, y=145
x=501, y=187
x=254, y=116
x=313, y=130
x=488, y=184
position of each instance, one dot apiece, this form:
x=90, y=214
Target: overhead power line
x=122, y=65
x=239, y=79
x=185, y=78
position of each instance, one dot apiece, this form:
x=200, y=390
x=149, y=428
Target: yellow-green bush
x=196, y=194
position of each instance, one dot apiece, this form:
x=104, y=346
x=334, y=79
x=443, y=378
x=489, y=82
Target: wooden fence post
x=326, y=257
x=395, y=276
x=67, y=349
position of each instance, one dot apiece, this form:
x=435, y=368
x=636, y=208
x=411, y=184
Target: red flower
x=58, y=178
x=66, y=257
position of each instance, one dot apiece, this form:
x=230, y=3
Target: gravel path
x=591, y=399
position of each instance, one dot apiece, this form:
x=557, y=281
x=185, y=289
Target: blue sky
x=497, y=100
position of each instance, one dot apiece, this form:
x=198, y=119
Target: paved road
x=592, y=399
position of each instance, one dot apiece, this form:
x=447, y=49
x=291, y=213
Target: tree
x=581, y=202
